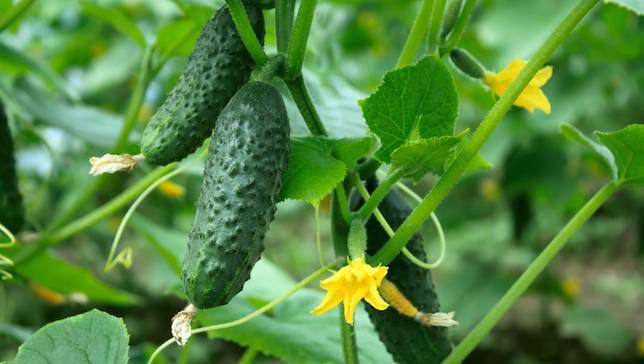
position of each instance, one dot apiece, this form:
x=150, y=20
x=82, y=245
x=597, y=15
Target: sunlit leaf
x=636, y=6
x=627, y=146
x=318, y=164
x=91, y=337
x=419, y=157
x=420, y=97
x=117, y=19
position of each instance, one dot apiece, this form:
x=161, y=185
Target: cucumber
x=218, y=66
x=11, y=210
x=407, y=340
x=242, y=180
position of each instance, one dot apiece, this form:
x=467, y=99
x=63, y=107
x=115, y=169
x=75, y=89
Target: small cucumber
x=242, y=181
x=407, y=340
x=218, y=66
x=11, y=210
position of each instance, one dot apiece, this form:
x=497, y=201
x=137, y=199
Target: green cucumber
x=218, y=66
x=406, y=339
x=242, y=181
x=11, y=210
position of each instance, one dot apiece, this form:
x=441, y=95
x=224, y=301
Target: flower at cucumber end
x=532, y=97
x=349, y=285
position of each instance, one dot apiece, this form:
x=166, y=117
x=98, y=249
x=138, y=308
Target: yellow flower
x=532, y=96
x=570, y=287
x=349, y=285
x=171, y=189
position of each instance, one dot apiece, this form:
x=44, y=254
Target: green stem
x=246, y=32
x=349, y=347
x=529, y=275
x=343, y=202
x=95, y=216
x=135, y=102
x=436, y=25
x=422, y=212
x=284, y=12
x=80, y=198
x=270, y=69
x=299, y=38
x=378, y=194
x=304, y=103
x=416, y=34
x=14, y=13
x=459, y=28
x=249, y=356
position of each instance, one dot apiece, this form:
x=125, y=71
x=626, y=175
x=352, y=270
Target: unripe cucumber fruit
x=466, y=62
x=218, y=66
x=11, y=210
x=242, y=180
x=406, y=339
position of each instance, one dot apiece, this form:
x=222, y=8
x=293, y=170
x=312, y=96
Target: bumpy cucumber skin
x=11, y=210
x=242, y=181
x=405, y=339
x=218, y=66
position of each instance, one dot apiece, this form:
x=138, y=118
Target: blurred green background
x=66, y=75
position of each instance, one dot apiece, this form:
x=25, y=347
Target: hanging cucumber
x=11, y=210
x=406, y=339
x=218, y=66
x=242, y=181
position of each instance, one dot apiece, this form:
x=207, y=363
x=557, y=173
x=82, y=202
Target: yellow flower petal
x=532, y=96
x=349, y=285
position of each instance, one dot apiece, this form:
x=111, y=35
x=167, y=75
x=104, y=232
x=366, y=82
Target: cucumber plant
x=234, y=92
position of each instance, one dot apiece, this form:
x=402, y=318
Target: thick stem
x=436, y=25
x=529, y=275
x=343, y=202
x=284, y=12
x=14, y=13
x=270, y=69
x=246, y=32
x=95, y=216
x=422, y=212
x=299, y=38
x=249, y=356
x=459, y=28
x=349, y=347
x=304, y=103
x=378, y=194
x=416, y=34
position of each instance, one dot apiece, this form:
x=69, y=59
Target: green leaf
x=636, y=6
x=177, y=37
x=169, y=243
x=599, y=150
x=117, y=19
x=318, y=164
x=90, y=124
x=60, y=276
x=627, y=146
x=290, y=332
x=419, y=157
x=14, y=61
x=91, y=337
x=598, y=328
x=419, y=97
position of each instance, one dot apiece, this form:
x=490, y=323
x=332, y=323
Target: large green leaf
x=169, y=243
x=318, y=164
x=290, y=332
x=60, y=276
x=419, y=157
x=92, y=125
x=14, y=61
x=636, y=6
x=178, y=37
x=117, y=19
x=420, y=97
x=598, y=328
x=598, y=149
x=627, y=146
x=94, y=337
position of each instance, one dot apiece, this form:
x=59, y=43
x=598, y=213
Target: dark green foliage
x=218, y=66
x=11, y=210
x=242, y=181
x=406, y=339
